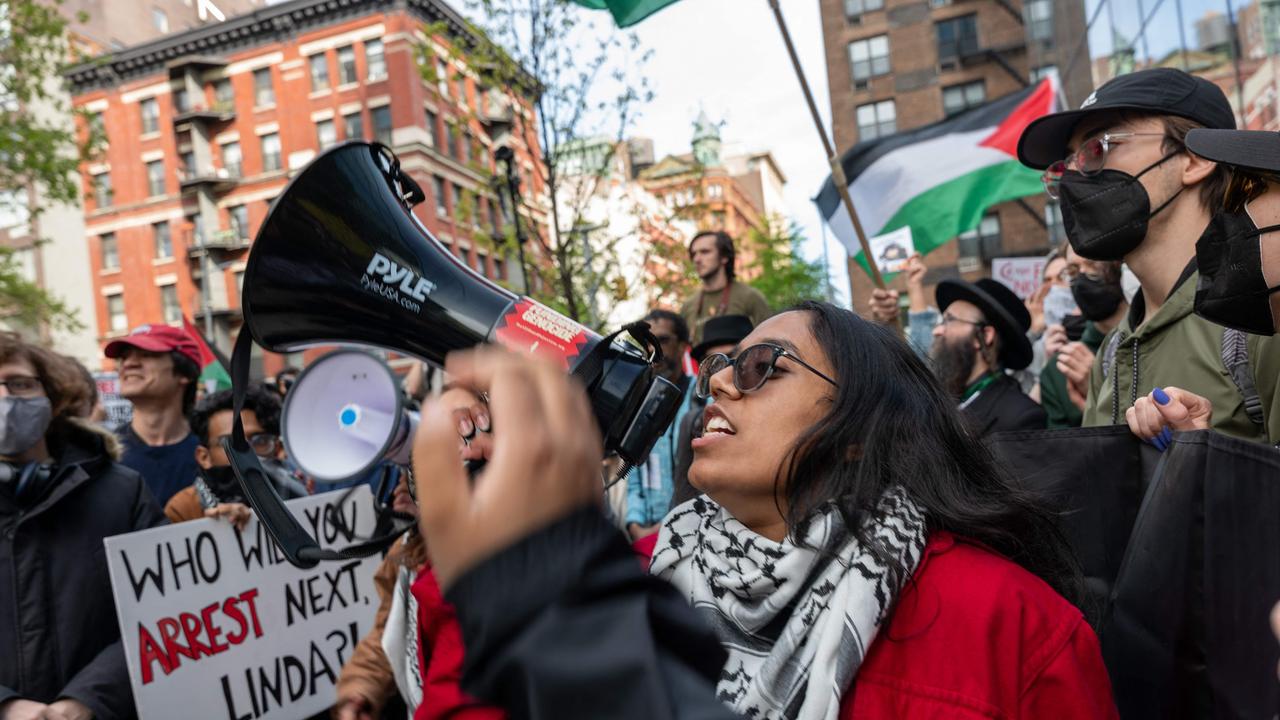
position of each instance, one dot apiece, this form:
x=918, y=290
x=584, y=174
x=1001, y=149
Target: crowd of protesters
x=822, y=531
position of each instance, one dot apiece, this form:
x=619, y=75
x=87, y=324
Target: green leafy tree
x=40, y=152
x=781, y=273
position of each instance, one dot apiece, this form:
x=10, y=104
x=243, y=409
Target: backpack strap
x=1235, y=358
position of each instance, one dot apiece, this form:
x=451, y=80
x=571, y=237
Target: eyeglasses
x=22, y=385
x=1089, y=159
x=1071, y=272
x=752, y=368
x=263, y=444
x=948, y=318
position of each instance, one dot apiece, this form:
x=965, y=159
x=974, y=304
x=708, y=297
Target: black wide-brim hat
x=721, y=330
x=1157, y=91
x=1003, y=311
x=1253, y=149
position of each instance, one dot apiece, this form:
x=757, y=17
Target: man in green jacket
x=1130, y=190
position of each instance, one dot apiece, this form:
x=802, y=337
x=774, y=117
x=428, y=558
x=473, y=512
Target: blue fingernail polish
x=1160, y=444
x=1160, y=396
x=1167, y=436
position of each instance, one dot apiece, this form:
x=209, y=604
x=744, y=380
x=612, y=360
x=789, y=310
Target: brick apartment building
x=205, y=127
x=895, y=65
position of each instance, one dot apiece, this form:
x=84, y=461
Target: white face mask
x=1058, y=303
x=23, y=422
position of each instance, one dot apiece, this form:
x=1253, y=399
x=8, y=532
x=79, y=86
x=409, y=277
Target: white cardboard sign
x=893, y=249
x=217, y=623
x=1022, y=275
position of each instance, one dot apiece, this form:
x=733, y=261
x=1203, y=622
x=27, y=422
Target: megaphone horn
x=344, y=414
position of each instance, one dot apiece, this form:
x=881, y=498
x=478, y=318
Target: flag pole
x=837, y=170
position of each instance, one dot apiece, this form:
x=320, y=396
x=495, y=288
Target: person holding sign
x=61, y=493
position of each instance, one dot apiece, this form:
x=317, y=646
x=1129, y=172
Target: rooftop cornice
x=270, y=24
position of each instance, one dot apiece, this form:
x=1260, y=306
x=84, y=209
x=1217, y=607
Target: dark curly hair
x=265, y=405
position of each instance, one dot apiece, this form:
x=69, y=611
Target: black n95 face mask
x=1106, y=214
x=1232, y=290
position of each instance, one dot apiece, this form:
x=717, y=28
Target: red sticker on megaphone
x=533, y=328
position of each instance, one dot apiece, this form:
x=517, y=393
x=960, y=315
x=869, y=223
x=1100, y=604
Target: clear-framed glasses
x=751, y=368
x=947, y=319
x=1089, y=159
x=22, y=385
x=263, y=444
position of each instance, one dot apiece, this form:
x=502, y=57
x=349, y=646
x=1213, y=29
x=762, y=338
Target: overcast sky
x=726, y=57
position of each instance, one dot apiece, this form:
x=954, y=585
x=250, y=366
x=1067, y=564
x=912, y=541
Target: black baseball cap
x=1163, y=91
x=1253, y=149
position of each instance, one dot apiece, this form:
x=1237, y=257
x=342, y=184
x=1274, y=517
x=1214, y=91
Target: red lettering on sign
x=181, y=636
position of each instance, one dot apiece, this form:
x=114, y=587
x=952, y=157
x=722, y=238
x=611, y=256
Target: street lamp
x=505, y=158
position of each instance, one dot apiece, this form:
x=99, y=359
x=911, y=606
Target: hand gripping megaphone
x=341, y=258
x=344, y=414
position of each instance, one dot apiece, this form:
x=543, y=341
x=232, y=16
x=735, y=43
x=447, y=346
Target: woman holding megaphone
x=859, y=553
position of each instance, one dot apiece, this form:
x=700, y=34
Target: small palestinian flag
x=627, y=12
x=941, y=178
x=213, y=374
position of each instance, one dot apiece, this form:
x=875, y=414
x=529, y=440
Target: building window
x=454, y=194
x=715, y=192
x=877, y=120
x=319, y=72
x=181, y=101
x=238, y=216
x=442, y=206
x=854, y=8
x=353, y=126
x=223, y=95
x=442, y=77
x=375, y=60
x=980, y=244
x=197, y=228
x=869, y=57
x=155, y=178
x=480, y=261
x=102, y=189
x=465, y=141
x=382, y=124
x=263, y=92
x=150, y=115
x=117, y=319
x=163, y=239
x=499, y=268
x=957, y=37
x=326, y=133
x=169, y=303
x=97, y=125
x=347, y=65
x=958, y=98
x=159, y=20
x=232, y=160
x=433, y=127
x=240, y=283
x=110, y=251
x=1039, y=19
x=271, y=152
x=495, y=218
x=451, y=137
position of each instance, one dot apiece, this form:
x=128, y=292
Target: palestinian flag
x=941, y=178
x=627, y=12
x=213, y=373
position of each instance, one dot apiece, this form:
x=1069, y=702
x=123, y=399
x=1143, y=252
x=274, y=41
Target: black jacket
x=1002, y=406
x=564, y=624
x=59, y=637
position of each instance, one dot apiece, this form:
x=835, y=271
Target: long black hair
x=891, y=423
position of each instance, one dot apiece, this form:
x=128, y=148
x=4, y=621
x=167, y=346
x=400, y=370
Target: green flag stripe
x=944, y=211
x=627, y=12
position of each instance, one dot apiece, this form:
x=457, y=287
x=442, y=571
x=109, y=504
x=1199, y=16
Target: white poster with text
x=217, y=623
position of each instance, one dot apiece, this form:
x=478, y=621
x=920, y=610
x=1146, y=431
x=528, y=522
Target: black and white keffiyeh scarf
x=796, y=623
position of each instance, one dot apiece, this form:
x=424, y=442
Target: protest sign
x=119, y=411
x=1022, y=275
x=217, y=623
x=892, y=249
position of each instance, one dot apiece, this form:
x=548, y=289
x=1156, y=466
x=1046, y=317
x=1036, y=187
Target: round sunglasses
x=752, y=368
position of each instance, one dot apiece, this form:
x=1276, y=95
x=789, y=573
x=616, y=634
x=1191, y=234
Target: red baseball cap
x=156, y=338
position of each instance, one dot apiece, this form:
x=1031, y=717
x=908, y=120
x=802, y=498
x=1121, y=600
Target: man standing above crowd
x=713, y=257
x=982, y=333
x=159, y=368
x=649, y=487
x=1130, y=190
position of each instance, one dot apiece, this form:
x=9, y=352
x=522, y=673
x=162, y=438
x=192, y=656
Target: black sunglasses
x=751, y=368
